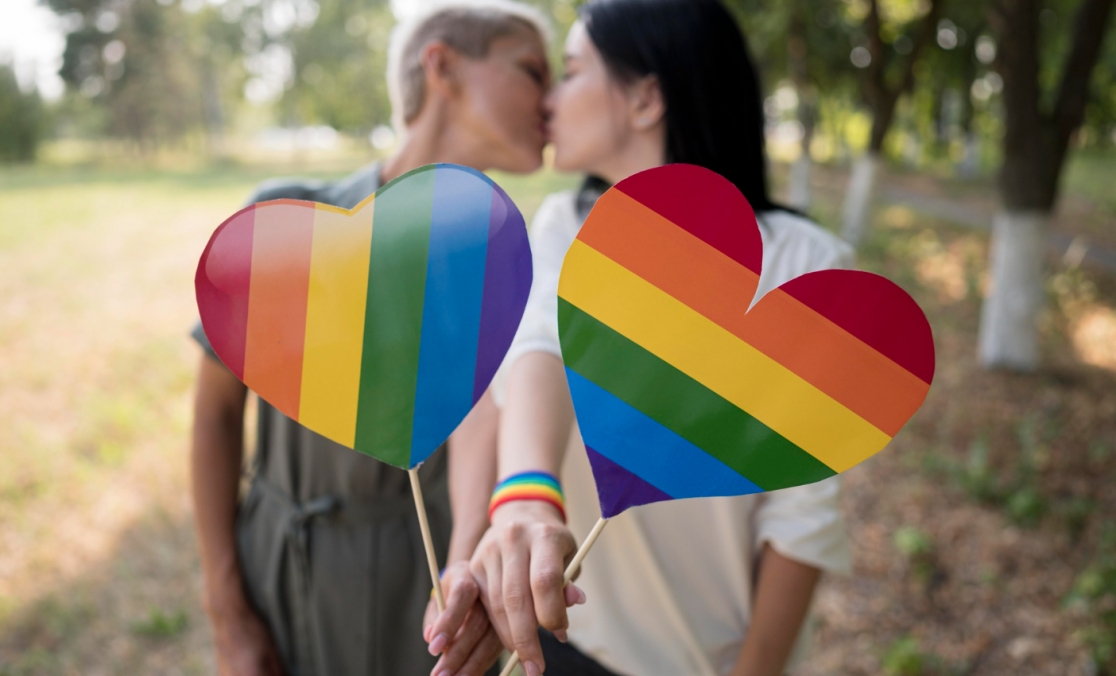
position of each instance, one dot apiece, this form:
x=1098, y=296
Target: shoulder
x=346, y=193
x=286, y=188
x=786, y=234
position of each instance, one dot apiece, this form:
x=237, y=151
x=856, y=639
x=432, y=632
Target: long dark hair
x=714, y=112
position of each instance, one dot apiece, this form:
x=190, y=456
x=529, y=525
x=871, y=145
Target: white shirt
x=669, y=585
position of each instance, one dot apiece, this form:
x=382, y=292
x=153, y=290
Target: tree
x=1036, y=139
x=889, y=68
x=21, y=119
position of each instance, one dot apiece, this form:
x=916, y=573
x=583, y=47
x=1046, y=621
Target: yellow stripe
x=735, y=370
x=335, y=322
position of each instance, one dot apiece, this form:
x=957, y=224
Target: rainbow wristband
x=528, y=486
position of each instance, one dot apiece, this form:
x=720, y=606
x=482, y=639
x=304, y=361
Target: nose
x=548, y=103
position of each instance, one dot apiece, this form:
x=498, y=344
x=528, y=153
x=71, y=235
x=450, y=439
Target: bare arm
x=784, y=588
x=472, y=475
x=520, y=560
x=244, y=647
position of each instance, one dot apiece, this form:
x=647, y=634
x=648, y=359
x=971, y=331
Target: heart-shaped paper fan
x=681, y=391
x=377, y=327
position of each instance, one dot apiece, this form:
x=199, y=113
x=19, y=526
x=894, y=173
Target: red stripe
x=222, y=282
x=512, y=498
x=703, y=203
x=277, y=309
x=851, y=299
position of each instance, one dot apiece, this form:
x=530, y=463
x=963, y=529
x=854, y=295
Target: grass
x=98, y=567
x=96, y=299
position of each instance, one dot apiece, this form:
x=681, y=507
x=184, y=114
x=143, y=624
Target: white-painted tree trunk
x=1008, y=318
x=858, y=197
x=798, y=183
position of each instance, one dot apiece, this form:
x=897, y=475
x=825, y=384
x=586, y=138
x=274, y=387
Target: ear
x=646, y=107
x=440, y=66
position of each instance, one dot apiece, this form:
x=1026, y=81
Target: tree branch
x=1073, y=90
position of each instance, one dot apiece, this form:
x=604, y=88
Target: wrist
x=528, y=487
x=527, y=510
x=224, y=595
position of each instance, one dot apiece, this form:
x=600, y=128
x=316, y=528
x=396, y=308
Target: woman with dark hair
x=712, y=587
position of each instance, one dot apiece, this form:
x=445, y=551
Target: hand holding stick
x=571, y=570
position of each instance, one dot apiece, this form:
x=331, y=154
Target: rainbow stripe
x=528, y=486
x=682, y=391
x=377, y=327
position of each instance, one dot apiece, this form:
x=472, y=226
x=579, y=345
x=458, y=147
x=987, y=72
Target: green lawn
x=98, y=568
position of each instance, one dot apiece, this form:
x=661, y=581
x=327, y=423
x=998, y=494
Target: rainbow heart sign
x=682, y=391
x=377, y=327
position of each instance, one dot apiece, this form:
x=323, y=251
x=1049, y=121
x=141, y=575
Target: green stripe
x=682, y=404
x=533, y=482
x=393, y=317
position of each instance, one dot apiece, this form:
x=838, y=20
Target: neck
x=643, y=152
x=430, y=139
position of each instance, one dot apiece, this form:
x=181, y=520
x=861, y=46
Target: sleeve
x=804, y=523
x=553, y=230
x=268, y=190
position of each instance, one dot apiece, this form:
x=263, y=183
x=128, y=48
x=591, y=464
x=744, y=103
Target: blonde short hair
x=467, y=26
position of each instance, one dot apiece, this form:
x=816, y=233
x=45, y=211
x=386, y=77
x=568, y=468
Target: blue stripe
x=451, y=311
x=647, y=449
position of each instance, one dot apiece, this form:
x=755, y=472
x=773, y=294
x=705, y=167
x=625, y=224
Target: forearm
x=784, y=588
x=472, y=476
x=215, y=462
x=536, y=421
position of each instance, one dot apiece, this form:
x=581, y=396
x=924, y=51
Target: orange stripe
x=814, y=348
x=833, y=360
x=277, y=304
x=670, y=258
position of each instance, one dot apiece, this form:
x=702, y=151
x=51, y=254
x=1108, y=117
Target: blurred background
x=984, y=539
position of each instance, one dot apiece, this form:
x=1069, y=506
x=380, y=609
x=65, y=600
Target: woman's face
x=589, y=111
x=502, y=97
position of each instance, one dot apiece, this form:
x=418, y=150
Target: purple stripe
x=622, y=488
x=507, y=283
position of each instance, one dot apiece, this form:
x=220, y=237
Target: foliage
x=21, y=119
x=918, y=548
x=161, y=625
x=1095, y=591
x=905, y=657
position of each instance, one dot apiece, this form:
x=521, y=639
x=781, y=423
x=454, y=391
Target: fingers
x=487, y=569
x=464, y=642
x=518, y=600
x=463, y=594
x=428, y=619
x=574, y=595
x=484, y=655
x=547, y=588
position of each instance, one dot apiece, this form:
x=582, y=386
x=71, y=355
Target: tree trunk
x=1035, y=144
x=882, y=96
x=1008, y=336
x=798, y=183
x=858, y=198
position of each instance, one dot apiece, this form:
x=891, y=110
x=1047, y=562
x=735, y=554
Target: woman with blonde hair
x=319, y=570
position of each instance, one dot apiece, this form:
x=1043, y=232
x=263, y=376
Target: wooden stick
x=571, y=570
x=427, y=540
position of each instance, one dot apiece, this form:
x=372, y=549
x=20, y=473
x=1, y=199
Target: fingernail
x=438, y=644
x=426, y=635
x=580, y=597
x=445, y=672
x=532, y=669
x=561, y=636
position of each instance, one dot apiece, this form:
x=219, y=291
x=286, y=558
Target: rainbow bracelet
x=528, y=486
